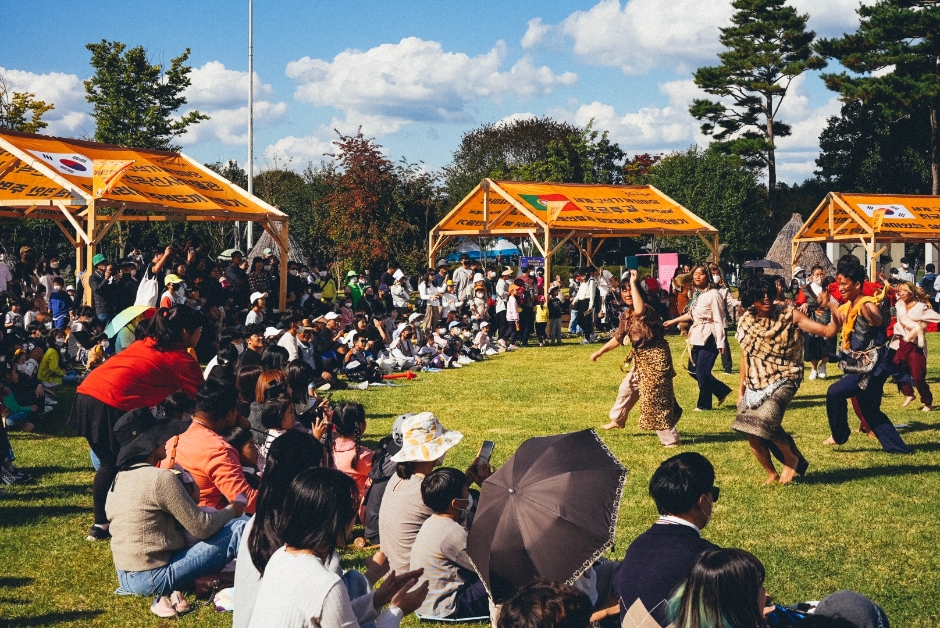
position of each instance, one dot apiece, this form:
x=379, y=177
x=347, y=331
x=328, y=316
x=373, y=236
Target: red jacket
x=142, y=376
x=214, y=465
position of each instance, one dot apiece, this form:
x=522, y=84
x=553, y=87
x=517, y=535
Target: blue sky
x=415, y=75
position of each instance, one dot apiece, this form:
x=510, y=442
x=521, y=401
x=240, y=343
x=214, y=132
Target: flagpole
x=251, y=125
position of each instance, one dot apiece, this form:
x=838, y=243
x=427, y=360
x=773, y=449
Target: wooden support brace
x=106, y=227
x=538, y=244
x=68, y=235
x=78, y=229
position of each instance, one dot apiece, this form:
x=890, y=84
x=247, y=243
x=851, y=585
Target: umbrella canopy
x=549, y=512
x=505, y=247
x=763, y=263
x=125, y=316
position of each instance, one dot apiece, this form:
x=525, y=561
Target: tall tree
x=864, y=150
x=723, y=193
x=896, y=48
x=767, y=46
x=534, y=149
x=135, y=101
x=20, y=111
x=374, y=210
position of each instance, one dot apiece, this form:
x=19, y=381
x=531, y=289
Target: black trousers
x=726, y=363
x=703, y=359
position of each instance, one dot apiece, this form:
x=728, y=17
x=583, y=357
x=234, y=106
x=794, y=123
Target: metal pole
x=251, y=121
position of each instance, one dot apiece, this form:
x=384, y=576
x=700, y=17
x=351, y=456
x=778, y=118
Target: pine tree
x=767, y=46
x=896, y=48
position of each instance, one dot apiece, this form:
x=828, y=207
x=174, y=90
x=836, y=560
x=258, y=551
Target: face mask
x=716, y=278
x=347, y=304
x=323, y=273
x=817, y=281
x=105, y=344
x=294, y=272
x=904, y=266
x=60, y=341
x=317, y=295
x=305, y=274
x=240, y=347
x=267, y=267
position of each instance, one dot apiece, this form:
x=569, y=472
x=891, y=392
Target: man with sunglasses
x=684, y=490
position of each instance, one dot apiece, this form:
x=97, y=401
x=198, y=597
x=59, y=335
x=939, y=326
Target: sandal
x=162, y=607
x=179, y=603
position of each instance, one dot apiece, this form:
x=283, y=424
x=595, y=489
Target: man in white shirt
x=256, y=314
x=292, y=323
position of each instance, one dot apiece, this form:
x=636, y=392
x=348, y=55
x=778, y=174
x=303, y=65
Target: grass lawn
x=860, y=519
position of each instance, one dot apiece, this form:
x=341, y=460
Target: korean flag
x=71, y=164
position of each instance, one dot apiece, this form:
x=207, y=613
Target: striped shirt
x=441, y=550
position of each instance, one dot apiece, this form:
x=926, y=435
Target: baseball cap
x=414, y=316
x=171, y=279
x=331, y=316
x=257, y=295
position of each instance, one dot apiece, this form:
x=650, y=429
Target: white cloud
x=535, y=33
x=642, y=35
x=416, y=80
x=65, y=91
x=297, y=152
x=513, y=117
x=213, y=85
x=222, y=95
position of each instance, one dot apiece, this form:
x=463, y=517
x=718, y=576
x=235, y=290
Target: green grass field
x=860, y=519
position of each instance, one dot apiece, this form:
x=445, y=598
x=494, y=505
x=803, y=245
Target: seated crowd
x=247, y=468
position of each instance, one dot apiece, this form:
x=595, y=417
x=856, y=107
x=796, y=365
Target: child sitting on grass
x=50, y=371
x=277, y=416
x=345, y=450
x=242, y=440
x=441, y=549
x=97, y=354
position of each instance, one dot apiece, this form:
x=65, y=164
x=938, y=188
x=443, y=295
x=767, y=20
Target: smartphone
x=486, y=451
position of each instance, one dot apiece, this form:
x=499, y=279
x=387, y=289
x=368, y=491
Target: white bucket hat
x=424, y=439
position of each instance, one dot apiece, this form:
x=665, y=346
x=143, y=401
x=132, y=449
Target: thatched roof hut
x=782, y=251
x=294, y=252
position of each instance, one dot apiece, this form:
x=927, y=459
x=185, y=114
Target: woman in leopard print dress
x=649, y=381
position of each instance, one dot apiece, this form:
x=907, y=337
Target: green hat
x=97, y=259
x=352, y=273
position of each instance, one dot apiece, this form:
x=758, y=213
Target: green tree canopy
x=535, y=149
x=893, y=57
x=864, y=150
x=717, y=188
x=766, y=47
x=20, y=111
x=135, y=101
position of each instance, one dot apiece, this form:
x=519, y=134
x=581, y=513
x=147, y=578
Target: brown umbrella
x=549, y=512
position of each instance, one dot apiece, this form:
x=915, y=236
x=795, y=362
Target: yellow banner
x=858, y=214
x=107, y=173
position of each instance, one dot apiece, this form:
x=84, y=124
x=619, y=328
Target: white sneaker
x=361, y=386
x=51, y=402
x=464, y=360
x=822, y=372
x=491, y=352
x=456, y=364
x=813, y=375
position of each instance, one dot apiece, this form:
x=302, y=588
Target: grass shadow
x=29, y=515
x=38, y=472
x=840, y=476
x=12, y=581
x=52, y=618
x=52, y=492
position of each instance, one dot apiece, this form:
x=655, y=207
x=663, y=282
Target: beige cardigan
x=148, y=509
x=911, y=321
x=708, y=319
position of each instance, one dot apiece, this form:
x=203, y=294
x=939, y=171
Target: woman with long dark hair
x=650, y=379
x=299, y=587
x=707, y=313
x=288, y=456
x=725, y=589
x=143, y=375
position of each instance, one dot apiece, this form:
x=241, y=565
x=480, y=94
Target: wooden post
x=872, y=260
x=90, y=249
x=548, y=263
x=282, y=244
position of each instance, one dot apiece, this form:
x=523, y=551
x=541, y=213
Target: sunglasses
x=715, y=492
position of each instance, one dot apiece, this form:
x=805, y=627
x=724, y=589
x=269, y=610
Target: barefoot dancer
x=771, y=337
x=650, y=379
x=863, y=340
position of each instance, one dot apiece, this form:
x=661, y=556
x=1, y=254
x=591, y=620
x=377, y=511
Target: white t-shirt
x=300, y=591
x=253, y=317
